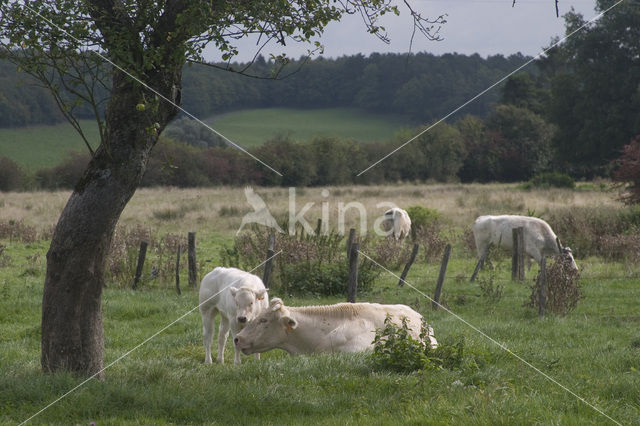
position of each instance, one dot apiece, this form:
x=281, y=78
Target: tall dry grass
x=220, y=210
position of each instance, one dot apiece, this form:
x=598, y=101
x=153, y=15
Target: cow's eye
x=262, y=320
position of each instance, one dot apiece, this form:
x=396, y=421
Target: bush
x=562, y=288
x=423, y=217
x=160, y=260
x=308, y=264
x=16, y=230
x=396, y=350
x=66, y=174
x=190, y=131
x=593, y=231
x=551, y=180
x=11, y=176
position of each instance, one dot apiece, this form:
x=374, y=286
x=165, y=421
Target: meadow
x=37, y=147
x=592, y=353
x=254, y=126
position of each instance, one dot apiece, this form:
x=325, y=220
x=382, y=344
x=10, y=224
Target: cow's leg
x=223, y=333
x=208, y=330
x=236, y=358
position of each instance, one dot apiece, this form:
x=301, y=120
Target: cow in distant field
x=539, y=238
x=398, y=222
x=238, y=296
x=344, y=327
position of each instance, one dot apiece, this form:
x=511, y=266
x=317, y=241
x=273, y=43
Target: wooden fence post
x=353, y=273
x=141, y=257
x=443, y=269
x=191, y=258
x=480, y=263
x=268, y=266
x=542, y=288
x=352, y=235
x=517, y=260
x=412, y=259
x=178, y=271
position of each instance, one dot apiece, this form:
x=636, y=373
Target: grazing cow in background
x=238, y=296
x=344, y=327
x=539, y=238
x=398, y=221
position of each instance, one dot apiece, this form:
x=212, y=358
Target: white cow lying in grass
x=398, y=222
x=238, y=296
x=539, y=238
x=344, y=327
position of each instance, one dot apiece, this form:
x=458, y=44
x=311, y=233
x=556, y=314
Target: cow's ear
x=233, y=291
x=289, y=323
x=261, y=293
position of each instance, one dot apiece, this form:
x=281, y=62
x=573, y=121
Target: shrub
x=593, y=231
x=66, y=174
x=190, y=131
x=562, y=288
x=17, y=230
x=392, y=253
x=422, y=217
x=551, y=180
x=11, y=176
x=395, y=349
x=432, y=243
x=160, y=260
x=308, y=264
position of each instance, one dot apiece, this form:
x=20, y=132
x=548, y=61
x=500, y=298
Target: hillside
x=253, y=127
x=36, y=147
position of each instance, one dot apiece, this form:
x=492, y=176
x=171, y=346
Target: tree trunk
x=72, y=330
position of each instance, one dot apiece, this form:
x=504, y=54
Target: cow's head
x=568, y=254
x=249, y=303
x=268, y=331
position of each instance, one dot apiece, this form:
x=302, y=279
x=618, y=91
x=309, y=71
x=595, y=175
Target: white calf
x=238, y=296
x=398, y=221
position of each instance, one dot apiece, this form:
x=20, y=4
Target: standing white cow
x=238, y=296
x=398, y=221
x=539, y=238
x=344, y=327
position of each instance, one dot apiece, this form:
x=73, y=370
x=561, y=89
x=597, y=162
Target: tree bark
x=72, y=330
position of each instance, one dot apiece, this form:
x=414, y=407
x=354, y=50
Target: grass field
x=593, y=352
x=37, y=147
x=253, y=127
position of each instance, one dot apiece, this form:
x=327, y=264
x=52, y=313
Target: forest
x=570, y=111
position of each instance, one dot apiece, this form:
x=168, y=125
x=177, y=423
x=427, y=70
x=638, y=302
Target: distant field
x=36, y=147
x=253, y=127
x=45, y=146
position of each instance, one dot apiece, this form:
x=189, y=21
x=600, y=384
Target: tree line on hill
x=421, y=86
x=572, y=111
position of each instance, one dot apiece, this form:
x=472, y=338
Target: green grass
x=593, y=351
x=37, y=147
x=253, y=127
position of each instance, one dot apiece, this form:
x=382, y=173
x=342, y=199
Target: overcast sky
x=486, y=27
